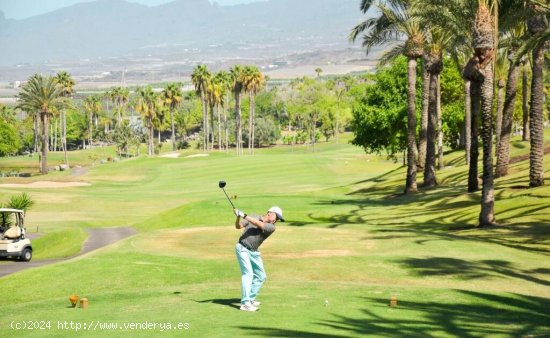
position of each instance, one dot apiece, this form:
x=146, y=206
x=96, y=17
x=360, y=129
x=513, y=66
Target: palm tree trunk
x=119, y=114
x=475, y=92
x=220, y=143
x=429, y=167
x=503, y=152
x=440, y=164
x=536, y=117
x=64, y=137
x=44, y=155
x=238, y=122
x=500, y=108
x=253, y=121
x=487, y=214
x=424, y=120
x=204, y=122
x=337, y=124
x=250, y=124
x=36, y=132
x=212, y=131
x=173, y=127
x=226, y=127
x=526, y=135
x=91, y=129
x=410, y=185
x=54, y=145
x=150, y=146
x=467, y=120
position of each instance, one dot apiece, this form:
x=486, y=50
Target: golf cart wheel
x=26, y=255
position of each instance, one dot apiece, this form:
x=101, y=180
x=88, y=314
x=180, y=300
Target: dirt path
x=97, y=238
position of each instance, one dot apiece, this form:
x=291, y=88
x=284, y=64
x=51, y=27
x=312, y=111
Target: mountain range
x=116, y=28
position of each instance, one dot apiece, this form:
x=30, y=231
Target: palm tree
x=452, y=17
x=65, y=80
x=254, y=82
x=318, y=70
x=434, y=66
x=223, y=78
x=393, y=23
x=146, y=107
x=214, y=95
x=92, y=105
x=438, y=41
x=537, y=26
x=423, y=132
x=119, y=96
x=40, y=95
x=484, y=43
x=237, y=76
x=173, y=96
x=503, y=148
x=200, y=77
x=525, y=99
x=500, y=73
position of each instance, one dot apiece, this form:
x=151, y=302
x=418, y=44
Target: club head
x=221, y=184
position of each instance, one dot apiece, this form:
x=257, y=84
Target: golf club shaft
x=229, y=199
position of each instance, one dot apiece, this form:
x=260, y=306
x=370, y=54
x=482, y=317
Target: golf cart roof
x=11, y=210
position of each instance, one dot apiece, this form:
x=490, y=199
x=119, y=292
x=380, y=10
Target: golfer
x=256, y=230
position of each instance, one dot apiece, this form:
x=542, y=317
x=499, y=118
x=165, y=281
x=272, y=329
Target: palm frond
x=21, y=202
x=392, y=54
x=531, y=43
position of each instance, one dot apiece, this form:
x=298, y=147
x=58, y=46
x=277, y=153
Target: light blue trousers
x=252, y=272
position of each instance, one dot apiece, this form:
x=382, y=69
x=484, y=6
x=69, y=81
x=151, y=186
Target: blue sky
x=21, y=9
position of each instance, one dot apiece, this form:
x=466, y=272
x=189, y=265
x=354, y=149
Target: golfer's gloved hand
x=239, y=213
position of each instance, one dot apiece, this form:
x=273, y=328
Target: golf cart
x=13, y=242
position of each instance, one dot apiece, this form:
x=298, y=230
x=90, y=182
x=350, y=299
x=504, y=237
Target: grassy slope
x=351, y=238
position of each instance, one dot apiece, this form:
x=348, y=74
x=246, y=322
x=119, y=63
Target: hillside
x=116, y=28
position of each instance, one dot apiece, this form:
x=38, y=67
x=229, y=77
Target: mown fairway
x=351, y=238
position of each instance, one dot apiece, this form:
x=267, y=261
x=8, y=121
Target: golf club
x=222, y=186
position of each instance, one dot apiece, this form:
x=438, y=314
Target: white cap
x=277, y=212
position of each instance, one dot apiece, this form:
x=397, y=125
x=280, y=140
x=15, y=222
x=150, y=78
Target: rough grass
x=351, y=239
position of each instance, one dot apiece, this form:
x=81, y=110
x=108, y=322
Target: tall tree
x=237, y=76
x=65, y=80
x=146, y=106
x=318, y=70
x=525, y=99
x=500, y=73
x=173, y=97
x=394, y=23
x=119, y=96
x=484, y=49
x=214, y=95
x=224, y=79
x=200, y=77
x=503, y=149
x=40, y=95
x=254, y=81
x=92, y=105
x=537, y=26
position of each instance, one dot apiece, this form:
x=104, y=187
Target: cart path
x=97, y=238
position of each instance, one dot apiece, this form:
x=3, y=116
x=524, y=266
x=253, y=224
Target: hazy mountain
x=115, y=28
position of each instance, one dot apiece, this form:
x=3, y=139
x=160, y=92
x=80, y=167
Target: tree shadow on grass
x=474, y=315
x=231, y=302
x=468, y=270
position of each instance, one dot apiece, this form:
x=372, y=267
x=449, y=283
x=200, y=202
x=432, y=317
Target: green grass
x=352, y=238
x=60, y=243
